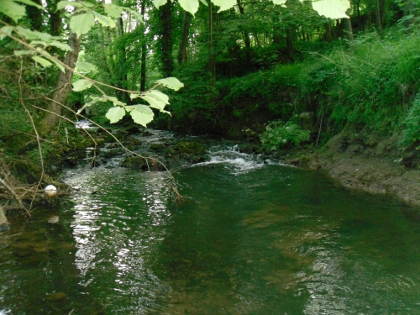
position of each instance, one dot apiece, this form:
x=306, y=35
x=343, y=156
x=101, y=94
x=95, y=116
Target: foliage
x=278, y=135
x=411, y=124
x=334, y=9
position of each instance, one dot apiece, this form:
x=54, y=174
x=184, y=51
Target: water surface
x=250, y=237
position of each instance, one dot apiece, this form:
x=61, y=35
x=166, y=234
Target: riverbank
x=355, y=166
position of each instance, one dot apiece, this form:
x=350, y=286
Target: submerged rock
x=53, y=219
x=56, y=296
x=139, y=163
x=190, y=151
x=4, y=224
x=4, y=227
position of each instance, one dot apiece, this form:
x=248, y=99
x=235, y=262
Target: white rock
x=50, y=191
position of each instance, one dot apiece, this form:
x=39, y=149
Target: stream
x=251, y=236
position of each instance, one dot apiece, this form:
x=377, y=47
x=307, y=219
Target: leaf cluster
x=278, y=135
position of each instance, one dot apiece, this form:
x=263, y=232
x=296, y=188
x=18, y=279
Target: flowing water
x=250, y=237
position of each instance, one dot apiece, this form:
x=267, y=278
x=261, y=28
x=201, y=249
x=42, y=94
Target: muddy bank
x=376, y=169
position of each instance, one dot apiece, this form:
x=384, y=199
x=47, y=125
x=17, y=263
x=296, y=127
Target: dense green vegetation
x=279, y=72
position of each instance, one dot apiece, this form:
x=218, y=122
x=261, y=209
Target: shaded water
x=251, y=237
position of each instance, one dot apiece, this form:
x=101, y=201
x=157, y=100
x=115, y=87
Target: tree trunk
x=121, y=65
x=290, y=38
x=55, y=22
x=245, y=34
x=212, y=57
x=35, y=16
x=63, y=87
x=380, y=7
x=349, y=28
x=182, y=53
x=167, y=40
x=143, y=50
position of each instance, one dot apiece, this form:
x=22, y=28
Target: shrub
x=411, y=131
x=278, y=135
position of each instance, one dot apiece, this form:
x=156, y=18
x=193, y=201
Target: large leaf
x=333, y=9
x=115, y=114
x=31, y=3
x=6, y=31
x=12, y=9
x=224, y=4
x=171, y=83
x=159, y=3
x=59, y=45
x=82, y=23
x=141, y=114
x=86, y=67
x=42, y=61
x=105, y=20
x=81, y=85
x=156, y=99
x=190, y=6
x=113, y=10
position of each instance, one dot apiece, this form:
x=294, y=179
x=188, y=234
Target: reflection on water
x=248, y=238
x=105, y=227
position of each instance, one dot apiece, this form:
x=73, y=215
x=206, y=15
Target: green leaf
x=156, y=99
x=31, y=3
x=12, y=9
x=105, y=20
x=141, y=114
x=63, y=4
x=333, y=9
x=81, y=5
x=59, y=45
x=190, y=6
x=23, y=52
x=159, y=3
x=171, y=83
x=33, y=35
x=115, y=114
x=6, y=31
x=42, y=61
x=224, y=4
x=115, y=101
x=82, y=23
x=86, y=67
x=113, y=10
x=81, y=85
x=280, y=2
x=134, y=96
x=106, y=98
x=59, y=65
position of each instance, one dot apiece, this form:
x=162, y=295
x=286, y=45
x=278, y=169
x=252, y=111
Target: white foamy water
x=238, y=161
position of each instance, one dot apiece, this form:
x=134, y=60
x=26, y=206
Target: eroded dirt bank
x=374, y=168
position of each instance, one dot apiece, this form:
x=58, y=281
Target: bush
x=278, y=135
